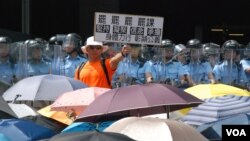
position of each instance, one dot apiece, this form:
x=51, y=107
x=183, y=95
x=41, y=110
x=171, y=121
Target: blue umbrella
x=217, y=108
x=213, y=130
x=3, y=137
x=87, y=126
x=23, y=130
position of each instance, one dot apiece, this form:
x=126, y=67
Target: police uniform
x=225, y=73
x=71, y=64
x=245, y=65
x=199, y=71
x=38, y=68
x=133, y=70
x=7, y=72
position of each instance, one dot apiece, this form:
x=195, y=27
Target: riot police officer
x=199, y=69
x=131, y=69
x=72, y=46
x=228, y=72
x=6, y=61
x=36, y=64
x=211, y=52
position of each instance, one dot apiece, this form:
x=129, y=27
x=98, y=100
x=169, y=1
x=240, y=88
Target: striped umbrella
x=217, y=108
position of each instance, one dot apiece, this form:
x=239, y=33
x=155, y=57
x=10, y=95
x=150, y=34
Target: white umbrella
x=41, y=87
x=152, y=129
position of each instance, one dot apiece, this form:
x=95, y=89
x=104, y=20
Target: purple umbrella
x=137, y=100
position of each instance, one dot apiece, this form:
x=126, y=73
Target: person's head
x=94, y=49
x=230, y=49
x=181, y=51
x=211, y=52
x=4, y=46
x=247, y=51
x=168, y=48
x=195, y=47
x=72, y=43
x=35, y=48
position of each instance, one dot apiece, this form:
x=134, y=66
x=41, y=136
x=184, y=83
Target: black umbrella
x=5, y=110
x=91, y=136
x=52, y=124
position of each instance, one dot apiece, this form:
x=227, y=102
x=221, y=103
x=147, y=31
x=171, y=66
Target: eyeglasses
x=95, y=47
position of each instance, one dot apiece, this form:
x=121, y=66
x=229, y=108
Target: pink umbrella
x=76, y=101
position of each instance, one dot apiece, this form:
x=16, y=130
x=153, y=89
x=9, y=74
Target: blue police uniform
x=71, y=64
x=7, y=72
x=199, y=71
x=133, y=70
x=227, y=74
x=245, y=64
x=38, y=68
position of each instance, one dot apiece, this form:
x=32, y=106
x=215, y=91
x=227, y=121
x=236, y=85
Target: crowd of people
x=114, y=65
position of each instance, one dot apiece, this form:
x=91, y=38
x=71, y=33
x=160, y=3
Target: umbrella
x=4, y=138
x=3, y=87
x=5, y=111
x=204, y=91
x=41, y=87
x=137, y=100
x=60, y=116
x=22, y=130
x=87, y=126
x=152, y=129
x=217, y=108
x=77, y=100
x=91, y=136
x=22, y=110
x=49, y=123
x=213, y=130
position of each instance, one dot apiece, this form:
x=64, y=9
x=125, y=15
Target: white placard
x=122, y=28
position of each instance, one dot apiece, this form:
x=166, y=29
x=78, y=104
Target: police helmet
x=194, y=43
x=166, y=43
x=5, y=40
x=57, y=39
x=231, y=44
x=33, y=44
x=75, y=38
x=179, y=48
x=210, y=48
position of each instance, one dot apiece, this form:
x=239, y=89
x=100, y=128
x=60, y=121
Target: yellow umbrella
x=204, y=91
x=56, y=115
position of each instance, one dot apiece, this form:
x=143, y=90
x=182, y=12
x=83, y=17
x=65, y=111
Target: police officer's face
x=135, y=52
x=37, y=53
x=230, y=54
x=69, y=47
x=4, y=50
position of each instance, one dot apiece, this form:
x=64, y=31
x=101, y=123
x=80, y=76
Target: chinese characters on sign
x=122, y=28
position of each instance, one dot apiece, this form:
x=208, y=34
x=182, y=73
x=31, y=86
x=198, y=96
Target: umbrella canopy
x=22, y=110
x=77, y=100
x=91, y=136
x=60, y=116
x=42, y=87
x=49, y=123
x=204, y=91
x=3, y=87
x=137, y=100
x=213, y=130
x=22, y=130
x=152, y=129
x=5, y=111
x=217, y=108
x=87, y=126
x=4, y=138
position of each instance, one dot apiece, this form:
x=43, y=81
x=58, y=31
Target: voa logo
x=236, y=132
